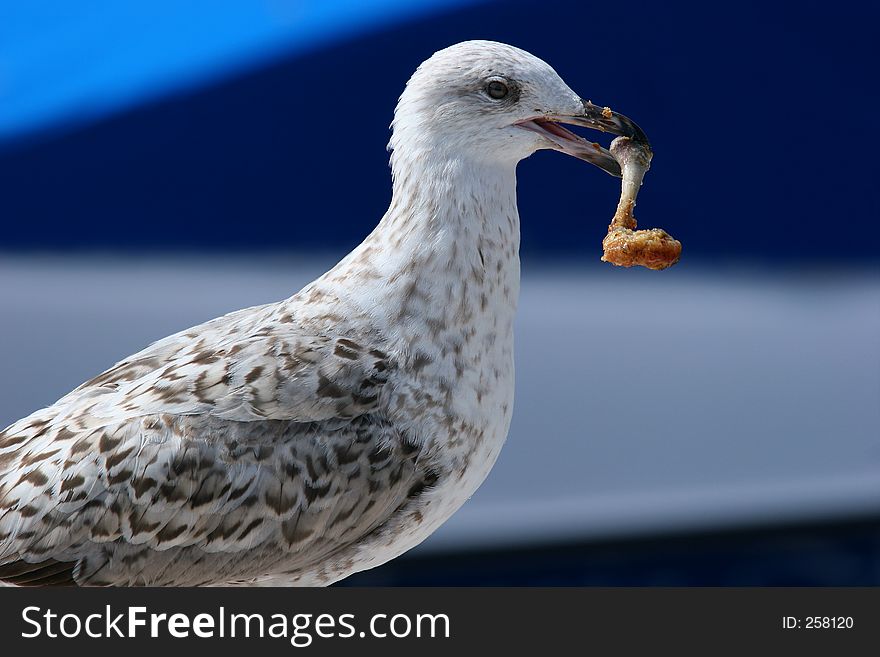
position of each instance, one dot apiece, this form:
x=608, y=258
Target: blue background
x=236, y=126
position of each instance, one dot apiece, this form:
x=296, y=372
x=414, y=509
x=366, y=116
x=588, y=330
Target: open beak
x=595, y=117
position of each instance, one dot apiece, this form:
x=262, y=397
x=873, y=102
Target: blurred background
x=162, y=163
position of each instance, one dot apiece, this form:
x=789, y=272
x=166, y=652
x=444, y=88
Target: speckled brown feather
x=269, y=443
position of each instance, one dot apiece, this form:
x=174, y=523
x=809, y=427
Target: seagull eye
x=497, y=89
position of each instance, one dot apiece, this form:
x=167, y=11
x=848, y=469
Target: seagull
x=299, y=442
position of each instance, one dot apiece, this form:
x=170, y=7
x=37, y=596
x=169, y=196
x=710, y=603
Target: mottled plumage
x=301, y=441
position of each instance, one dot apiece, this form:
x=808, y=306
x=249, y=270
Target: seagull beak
x=594, y=117
x=602, y=118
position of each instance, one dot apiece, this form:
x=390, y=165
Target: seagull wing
x=242, y=447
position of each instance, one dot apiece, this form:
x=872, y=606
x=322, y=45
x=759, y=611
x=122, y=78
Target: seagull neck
x=446, y=253
x=451, y=215
x=460, y=196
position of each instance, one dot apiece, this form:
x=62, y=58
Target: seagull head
x=489, y=100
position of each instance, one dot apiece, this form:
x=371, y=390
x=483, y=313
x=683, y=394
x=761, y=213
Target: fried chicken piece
x=624, y=245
